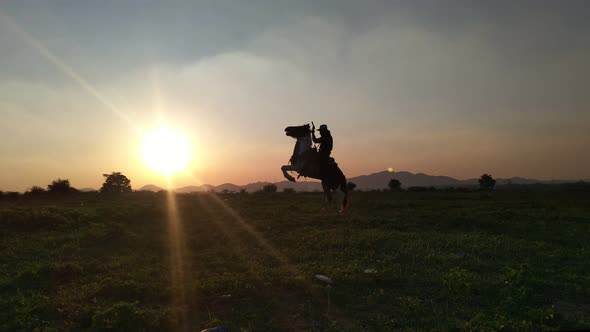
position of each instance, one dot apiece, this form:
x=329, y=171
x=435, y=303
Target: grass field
x=443, y=261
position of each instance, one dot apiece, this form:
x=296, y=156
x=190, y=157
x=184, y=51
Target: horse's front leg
x=288, y=176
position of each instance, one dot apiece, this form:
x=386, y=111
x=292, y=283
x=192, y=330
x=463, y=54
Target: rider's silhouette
x=326, y=144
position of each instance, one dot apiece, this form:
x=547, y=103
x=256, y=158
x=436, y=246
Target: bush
x=61, y=186
x=486, y=182
x=421, y=189
x=394, y=184
x=269, y=188
x=11, y=195
x=351, y=186
x=35, y=191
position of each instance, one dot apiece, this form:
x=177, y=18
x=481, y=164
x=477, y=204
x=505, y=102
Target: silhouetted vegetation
x=269, y=188
x=351, y=186
x=11, y=195
x=458, y=189
x=421, y=188
x=394, y=184
x=486, y=182
x=61, y=186
x=116, y=183
x=35, y=191
x=289, y=190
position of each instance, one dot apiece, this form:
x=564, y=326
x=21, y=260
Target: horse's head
x=298, y=131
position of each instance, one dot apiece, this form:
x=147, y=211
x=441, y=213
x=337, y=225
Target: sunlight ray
x=176, y=243
x=157, y=94
x=276, y=254
x=65, y=68
x=248, y=228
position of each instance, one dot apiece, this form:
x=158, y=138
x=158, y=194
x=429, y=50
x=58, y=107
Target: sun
x=166, y=151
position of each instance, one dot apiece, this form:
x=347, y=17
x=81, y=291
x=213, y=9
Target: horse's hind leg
x=345, y=199
x=327, y=195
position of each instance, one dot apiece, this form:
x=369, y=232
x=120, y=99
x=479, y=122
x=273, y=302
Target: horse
x=305, y=161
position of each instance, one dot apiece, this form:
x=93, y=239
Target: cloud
x=396, y=90
x=395, y=78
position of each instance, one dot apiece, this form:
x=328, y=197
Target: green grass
x=444, y=261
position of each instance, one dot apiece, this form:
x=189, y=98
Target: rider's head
x=323, y=128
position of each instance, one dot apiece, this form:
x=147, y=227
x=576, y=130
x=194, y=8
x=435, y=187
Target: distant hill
x=191, y=189
x=150, y=187
x=373, y=181
x=228, y=187
x=380, y=180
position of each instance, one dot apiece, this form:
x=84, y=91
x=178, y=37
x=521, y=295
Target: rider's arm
x=315, y=140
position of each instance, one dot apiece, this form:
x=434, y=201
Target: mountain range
x=373, y=181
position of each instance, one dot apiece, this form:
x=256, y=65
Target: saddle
x=311, y=167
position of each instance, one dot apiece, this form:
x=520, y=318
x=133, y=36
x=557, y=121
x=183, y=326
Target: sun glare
x=166, y=151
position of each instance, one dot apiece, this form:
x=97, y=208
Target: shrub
x=269, y=188
x=61, y=186
x=486, y=182
x=394, y=184
x=12, y=195
x=35, y=191
x=421, y=188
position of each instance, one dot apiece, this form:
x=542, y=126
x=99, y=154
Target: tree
x=60, y=186
x=12, y=195
x=269, y=188
x=35, y=190
x=350, y=186
x=115, y=183
x=486, y=182
x=394, y=184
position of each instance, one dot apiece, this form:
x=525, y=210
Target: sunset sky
x=453, y=88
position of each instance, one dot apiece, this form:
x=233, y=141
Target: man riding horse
x=326, y=144
x=309, y=162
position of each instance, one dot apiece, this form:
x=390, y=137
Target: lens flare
x=166, y=151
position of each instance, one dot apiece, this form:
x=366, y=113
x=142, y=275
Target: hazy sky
x=453, y=88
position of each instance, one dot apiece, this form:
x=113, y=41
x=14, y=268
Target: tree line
x=486, y=182
x=115, y=182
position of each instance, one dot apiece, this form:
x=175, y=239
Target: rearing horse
x=305, y=161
